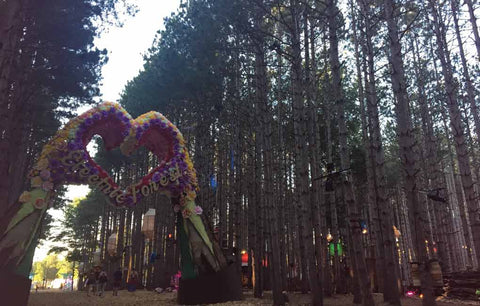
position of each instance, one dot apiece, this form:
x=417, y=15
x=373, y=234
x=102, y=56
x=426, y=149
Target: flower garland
x=64, y=159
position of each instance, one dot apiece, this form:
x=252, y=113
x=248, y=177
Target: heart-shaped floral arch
x=65, y=159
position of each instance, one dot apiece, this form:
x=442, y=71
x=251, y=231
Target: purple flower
x=54, y=163
x=125, y=133
x=104, y=113
x=182, y=166
x=47, y=186
x=156, y=177
x=198, y=210
x=111, y=110
x=44, y=174
x=72, y=146
x=87, y=122
x=79, y=133
x=96, y=116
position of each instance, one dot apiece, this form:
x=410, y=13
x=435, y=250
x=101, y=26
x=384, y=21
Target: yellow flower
x=36, y=181
x=42, y=164
x=25, y=197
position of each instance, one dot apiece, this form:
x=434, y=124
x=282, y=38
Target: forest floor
x=144, y=298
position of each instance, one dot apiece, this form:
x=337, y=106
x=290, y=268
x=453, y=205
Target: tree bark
x=352, y=210
x=456, y=125
x=408, y=153
x=473, y=22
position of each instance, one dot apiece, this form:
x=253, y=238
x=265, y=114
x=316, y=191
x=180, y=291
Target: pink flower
x=186, y=213
x=47, y=186
x=198, y=210
x=182, y=201
x=45, y=174
x=39, y=203
x=176, y=208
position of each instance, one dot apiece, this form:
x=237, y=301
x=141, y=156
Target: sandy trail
x=144, y=298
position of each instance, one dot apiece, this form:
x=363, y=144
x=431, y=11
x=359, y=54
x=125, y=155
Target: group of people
x=97, y=280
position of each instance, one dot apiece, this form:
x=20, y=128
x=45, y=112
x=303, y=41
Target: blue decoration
x=363, y=224
x=153, y=256
x=213, y=182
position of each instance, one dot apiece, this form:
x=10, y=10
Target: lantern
x=244, y=258
x=96, y=257
x=396, y=232
x=329, y=237
x=112, y=244
x=363, y=226
x=148, y=226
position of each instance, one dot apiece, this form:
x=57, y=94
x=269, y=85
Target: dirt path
x=146, y=298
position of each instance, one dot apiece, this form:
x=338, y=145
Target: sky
x=125, y=46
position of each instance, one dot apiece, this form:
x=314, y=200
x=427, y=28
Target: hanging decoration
x=363, y=226
x=112, y=244
x=213, y=182
x=148, y=225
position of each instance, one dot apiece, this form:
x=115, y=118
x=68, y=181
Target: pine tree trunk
x=408, y=154
x=383, y=205
x=433, y=173
x=457, y=128
x=301, y=159
x=473, y=22
x=263, y=113
x=352, y=210
x=466, y=73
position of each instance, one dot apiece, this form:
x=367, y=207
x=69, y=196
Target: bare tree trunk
x=408, y=153
x=432, y=172
x=383, y=205
x=473, y=22
x=263, y=113
x=301, y=159
x=352, y=210
x=466, y=73
x=457, y=128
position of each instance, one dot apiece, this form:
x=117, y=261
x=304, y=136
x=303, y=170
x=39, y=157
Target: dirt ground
x=145, y=298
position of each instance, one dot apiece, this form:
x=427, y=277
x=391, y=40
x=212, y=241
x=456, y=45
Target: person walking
x=132, y=281
x=102, y=281
x=97, y=270
x=117, y=281
x=91, y=282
